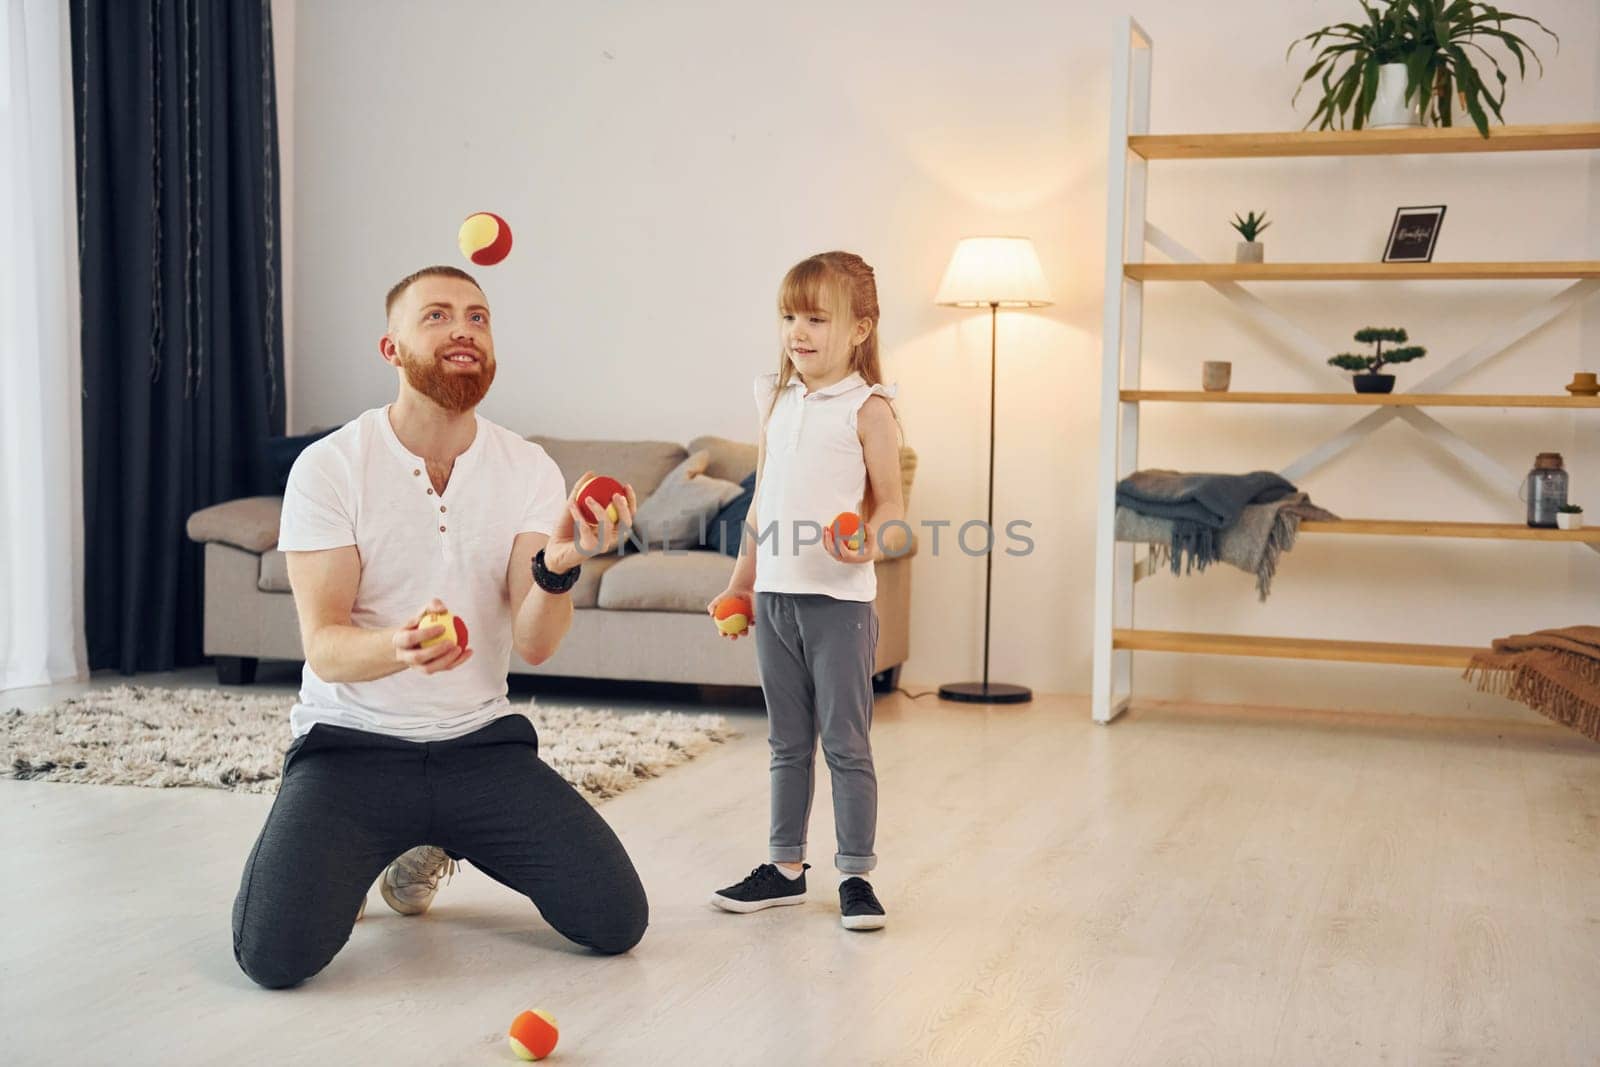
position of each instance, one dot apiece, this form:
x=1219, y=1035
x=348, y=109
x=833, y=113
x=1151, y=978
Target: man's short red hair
x=437, y=271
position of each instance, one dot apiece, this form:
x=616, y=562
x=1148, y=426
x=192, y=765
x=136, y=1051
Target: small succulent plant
x=1250, y=225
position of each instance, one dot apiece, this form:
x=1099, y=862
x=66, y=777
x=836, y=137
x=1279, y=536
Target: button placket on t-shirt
x=799, y=421
x=437, y=500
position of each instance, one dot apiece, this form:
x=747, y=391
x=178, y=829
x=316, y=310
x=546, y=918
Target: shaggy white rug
x=138, y=735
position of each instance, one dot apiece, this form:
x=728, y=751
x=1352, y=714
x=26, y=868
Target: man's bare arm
x=539, y=619
x=324, y=585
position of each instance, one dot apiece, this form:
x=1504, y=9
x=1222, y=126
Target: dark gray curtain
x=178, y=232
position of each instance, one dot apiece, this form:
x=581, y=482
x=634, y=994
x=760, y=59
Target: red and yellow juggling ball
x=733, y=614
x=455, y=629
x=533, y=1035
x=600, y=489
x=847, y=528
x=485, y=238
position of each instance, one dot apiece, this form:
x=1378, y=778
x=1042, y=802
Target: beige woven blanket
x=1554, y=672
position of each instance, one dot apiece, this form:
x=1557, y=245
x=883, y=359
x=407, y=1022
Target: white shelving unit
x=1129, y=233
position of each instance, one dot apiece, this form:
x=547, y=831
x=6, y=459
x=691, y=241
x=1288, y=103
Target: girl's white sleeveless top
x=814, y=470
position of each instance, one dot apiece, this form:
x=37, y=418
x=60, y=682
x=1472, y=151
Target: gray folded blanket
x=1199, y=506
x=1214, y=500
x=1262, y=533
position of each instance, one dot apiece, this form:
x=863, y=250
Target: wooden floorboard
x=1187, y=885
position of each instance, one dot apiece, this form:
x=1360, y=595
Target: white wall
x=663, y=164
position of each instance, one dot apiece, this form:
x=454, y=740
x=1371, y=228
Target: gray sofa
x=639, y=617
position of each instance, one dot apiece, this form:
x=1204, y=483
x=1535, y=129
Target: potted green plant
x=1569, y=517
x=1250, y=226
x=1373, y=53
x=1369, y=377
x=1409, y=61
x=1439, y=70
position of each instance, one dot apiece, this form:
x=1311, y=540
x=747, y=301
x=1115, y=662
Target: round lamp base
x=979, y=693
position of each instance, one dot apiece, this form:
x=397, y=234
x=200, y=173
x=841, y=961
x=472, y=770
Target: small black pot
x=1374, y=383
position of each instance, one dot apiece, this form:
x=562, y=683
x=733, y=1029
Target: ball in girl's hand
x=533, y=1035
x=733, y=614
x=847, y=530
x=455, y=629
x=600, y=489
x=485, y=238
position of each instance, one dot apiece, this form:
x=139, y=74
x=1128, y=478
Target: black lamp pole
x=985, y=692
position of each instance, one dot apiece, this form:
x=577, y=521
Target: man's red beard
x=451, y=390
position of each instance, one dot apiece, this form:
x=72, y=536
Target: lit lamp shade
x=994, y=270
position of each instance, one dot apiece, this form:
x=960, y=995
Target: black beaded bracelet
x=553, y=583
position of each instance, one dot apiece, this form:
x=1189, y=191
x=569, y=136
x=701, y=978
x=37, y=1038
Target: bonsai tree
x=1250, y=225
x=1431, y=37
x=1374, y=364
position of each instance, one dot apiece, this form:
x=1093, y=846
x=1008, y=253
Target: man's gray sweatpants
x=815, y=656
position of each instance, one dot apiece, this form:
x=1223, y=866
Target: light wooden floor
x=1195, y=886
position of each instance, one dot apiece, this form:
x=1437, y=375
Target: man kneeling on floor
x=406, y=746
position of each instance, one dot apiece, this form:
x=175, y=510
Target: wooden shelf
x=1418, y=141
x=1360, y=272
x=1294, y=648
x=1494, y=531
x=1162, y=258
x=1352, y=399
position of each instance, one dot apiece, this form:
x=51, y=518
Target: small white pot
x=1389, y=108
x=1569, y=520
x=1249, y=252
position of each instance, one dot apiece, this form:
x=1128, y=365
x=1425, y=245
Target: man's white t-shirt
x=360, y=486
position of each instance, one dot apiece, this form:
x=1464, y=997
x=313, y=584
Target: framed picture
x=1412, y=237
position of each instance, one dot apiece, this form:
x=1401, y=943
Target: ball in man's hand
x=455, y=629
x=600, y=489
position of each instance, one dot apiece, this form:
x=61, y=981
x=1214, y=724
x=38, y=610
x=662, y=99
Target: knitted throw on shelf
x=1200, y=507
x=1554, y=672
x=1253, y=544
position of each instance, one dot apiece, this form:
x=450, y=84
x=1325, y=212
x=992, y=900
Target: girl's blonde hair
x=840, y=284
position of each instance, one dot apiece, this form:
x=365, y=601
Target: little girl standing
x=829, y=444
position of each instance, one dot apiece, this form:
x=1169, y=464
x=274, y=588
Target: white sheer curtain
x=41, y=479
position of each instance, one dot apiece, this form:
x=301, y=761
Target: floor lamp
x=991, y=272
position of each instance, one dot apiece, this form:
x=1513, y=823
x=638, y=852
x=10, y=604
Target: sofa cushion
x=641, y=464
x=274, y=574
x=665, y=581
x=274, y=577
x=281, y=452
x=908, y=473
x=730, y=460
x=250, y=523
x=586, y=594
x=733, y=460
x=679, y=512
x=726, y=533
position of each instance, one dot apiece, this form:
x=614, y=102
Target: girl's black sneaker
x=765, y=887
x=858, y=906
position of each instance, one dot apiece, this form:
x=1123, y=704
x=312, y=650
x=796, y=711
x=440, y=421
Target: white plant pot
x=1249, y=252
x=1569, y=520
x=1389, y=108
